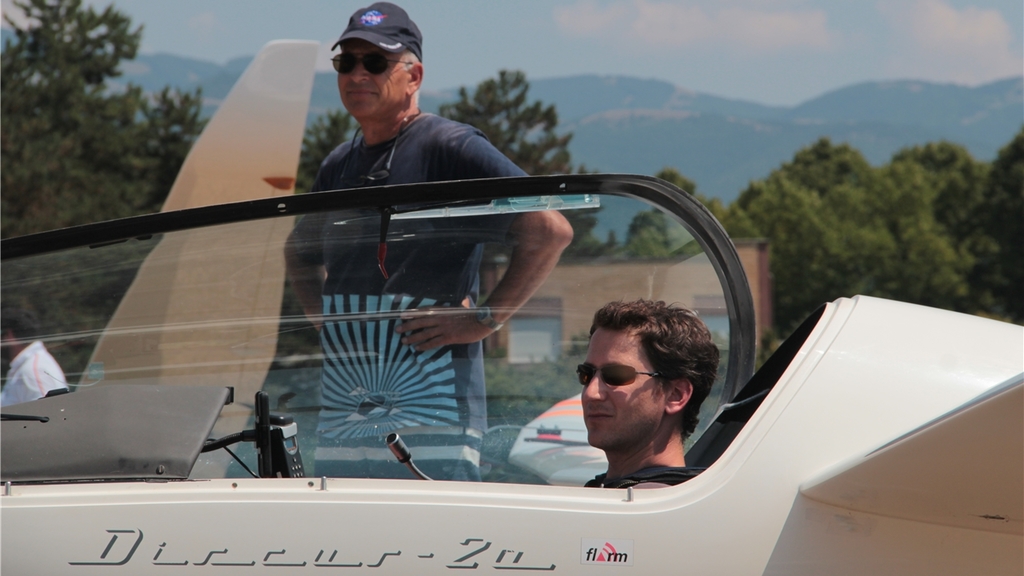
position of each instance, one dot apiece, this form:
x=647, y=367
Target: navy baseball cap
x=385, y=25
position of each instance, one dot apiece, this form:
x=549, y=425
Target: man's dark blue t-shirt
x=429, y=149
x=372, y=384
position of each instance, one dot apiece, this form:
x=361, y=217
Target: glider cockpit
x=198, y=298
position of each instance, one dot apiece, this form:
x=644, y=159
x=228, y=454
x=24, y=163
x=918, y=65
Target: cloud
x=777, y=30
x=936, y=41
x=586, y=19
x=205, y=23
x=735, y=26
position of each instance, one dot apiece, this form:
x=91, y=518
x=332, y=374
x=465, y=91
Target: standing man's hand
x=539, y=239
x=433, y=327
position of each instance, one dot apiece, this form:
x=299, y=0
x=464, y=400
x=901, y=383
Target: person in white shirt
x=33, y=372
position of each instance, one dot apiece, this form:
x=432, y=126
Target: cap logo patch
x=372, y=18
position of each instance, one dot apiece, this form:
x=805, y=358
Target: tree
x=648, y=235
x=934, y=226
x=75, y=149
x=714, y=205
x=812, y=256
x=676, y=178
x=957, y=183
x=172, y=122
x=524, y=133
x=824, y=167
x=923, y=264
x=839, y=227
x=584, y=243
x=1001, y=213
x=325, y=134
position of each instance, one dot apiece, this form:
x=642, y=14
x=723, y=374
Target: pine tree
x=322, y=136
x=524, y=133
x=74, y=147
x=1002, y=212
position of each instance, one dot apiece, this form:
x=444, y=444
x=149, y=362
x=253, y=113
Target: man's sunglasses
x=373, y=62
x=613, y=375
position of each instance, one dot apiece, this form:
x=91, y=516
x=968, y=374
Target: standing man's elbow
x=561, y=230
x=549, y=230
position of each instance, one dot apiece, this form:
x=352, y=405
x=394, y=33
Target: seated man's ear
x=677, y=395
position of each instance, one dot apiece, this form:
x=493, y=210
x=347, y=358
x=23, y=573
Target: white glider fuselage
x=855, y=386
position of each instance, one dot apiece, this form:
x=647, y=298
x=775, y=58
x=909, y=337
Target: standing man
x=425, y=292
x=33, y=371
x=649, y=367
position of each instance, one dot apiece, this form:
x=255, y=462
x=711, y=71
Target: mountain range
x=626, y=124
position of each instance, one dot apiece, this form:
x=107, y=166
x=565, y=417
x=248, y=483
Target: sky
x=780, y=52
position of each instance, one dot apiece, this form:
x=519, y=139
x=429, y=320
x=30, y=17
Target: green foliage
x=823, y=168
x=676, y=178
x=922, y=264
x=714, y=205
x=840, y=228
x=1001, y=215
x=929, y=227
x=584, y=243
x=73, y=148
x=816, y=248
x=325, y=134
x=171, y=124
x=524, y=133
x=958, y=183
x=648, y=235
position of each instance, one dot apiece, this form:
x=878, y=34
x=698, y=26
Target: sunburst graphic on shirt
x=373, y=384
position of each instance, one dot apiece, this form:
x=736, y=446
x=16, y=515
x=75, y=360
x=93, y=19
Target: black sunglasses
x=373, y=62
x=613, y=375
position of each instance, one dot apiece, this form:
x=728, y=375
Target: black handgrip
x=266, y=463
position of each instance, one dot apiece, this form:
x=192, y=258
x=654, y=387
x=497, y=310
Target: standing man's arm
x=539, y=238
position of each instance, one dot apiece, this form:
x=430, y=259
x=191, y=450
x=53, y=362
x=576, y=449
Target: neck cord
x=384, y=172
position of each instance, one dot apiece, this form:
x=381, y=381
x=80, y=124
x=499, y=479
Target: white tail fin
x=250, y=148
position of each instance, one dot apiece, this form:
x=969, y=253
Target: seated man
x=649, y=367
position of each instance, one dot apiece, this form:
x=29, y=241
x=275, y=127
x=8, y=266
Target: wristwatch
x=483, y=316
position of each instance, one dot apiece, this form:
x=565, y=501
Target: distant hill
x=722, y=154
x=624, y=124
x=723, y=144
x=604, y=93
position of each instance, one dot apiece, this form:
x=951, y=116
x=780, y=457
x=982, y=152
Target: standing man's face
x=622, y=420
x=377, y=97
